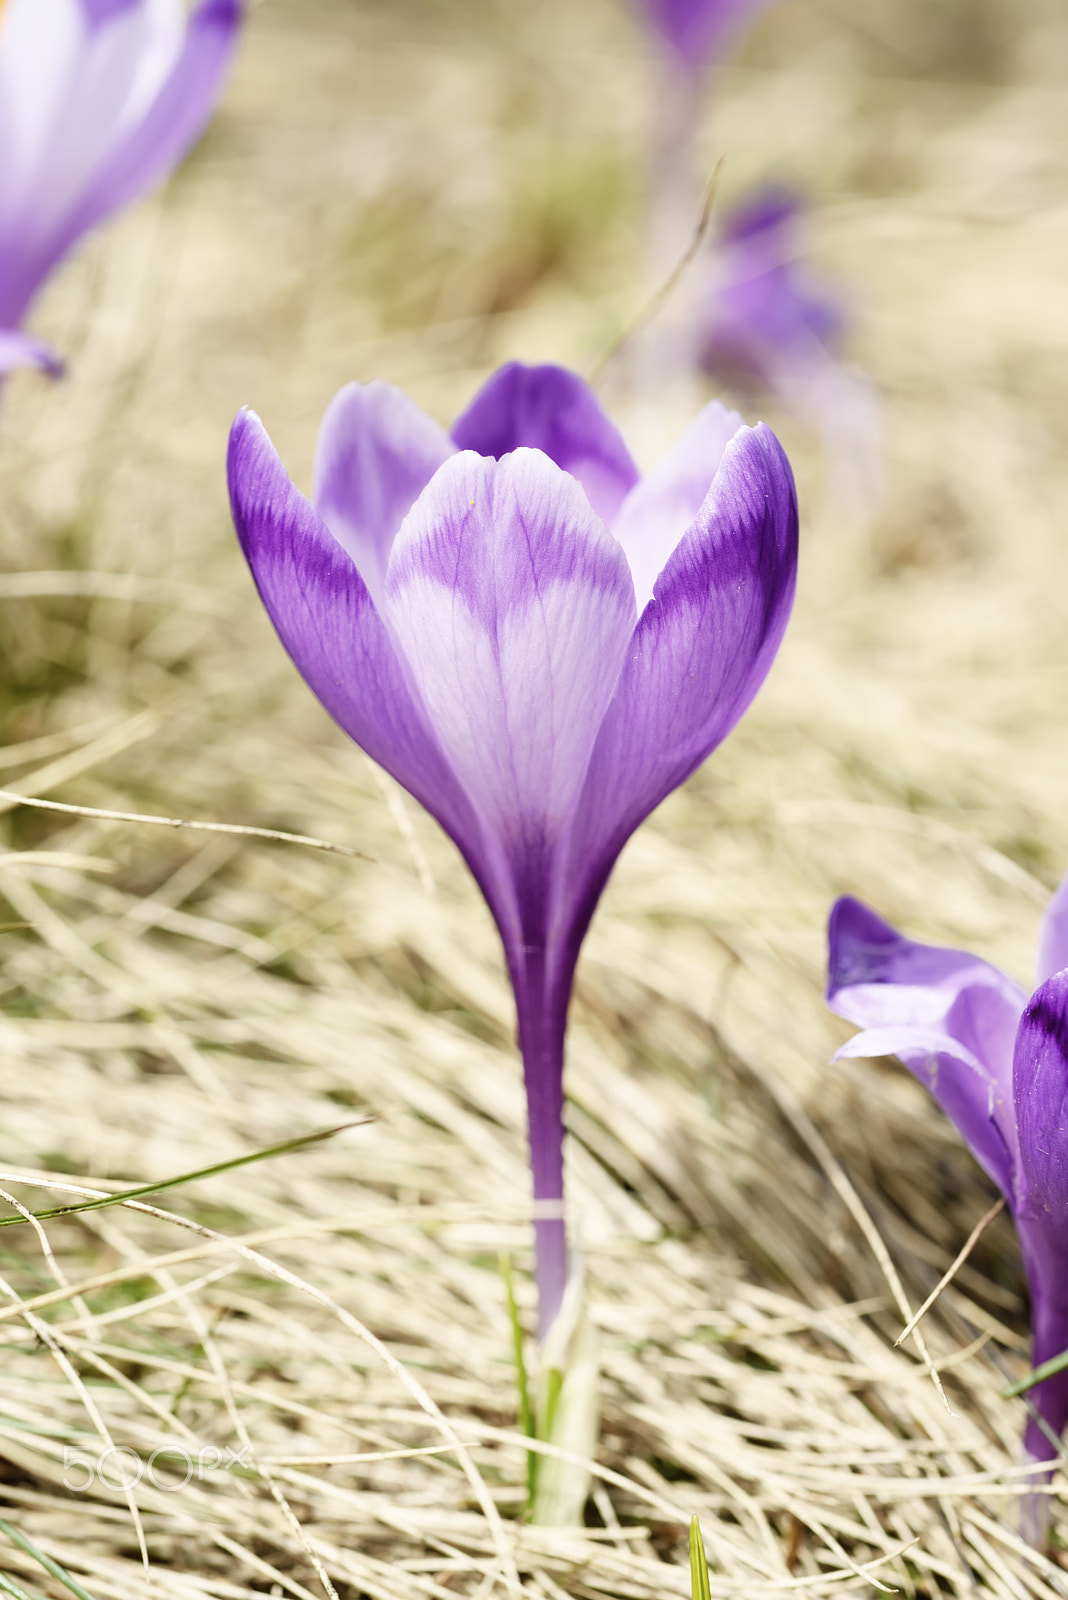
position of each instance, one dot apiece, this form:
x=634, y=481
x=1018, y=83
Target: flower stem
x=542, y=1020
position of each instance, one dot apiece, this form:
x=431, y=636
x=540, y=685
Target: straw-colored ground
x=415, y=191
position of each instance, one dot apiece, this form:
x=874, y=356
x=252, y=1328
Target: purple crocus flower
x=698, y=31
x=997, y=1063
x=535, y=641
x=768, y=321
x=765, y=323
x=99, y=99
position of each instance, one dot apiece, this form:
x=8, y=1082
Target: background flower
x=766, y=323
x=99, y=99
x=997, y=1063
x=767, y=311
x=698, y=31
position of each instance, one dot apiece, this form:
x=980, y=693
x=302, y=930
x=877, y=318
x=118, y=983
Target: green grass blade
x=1048, y=1369
x=699, y=1584
x=53, y=1568
x=526, y=1409
x=8, y=1585
x=187, y=1177
x=554, y=1383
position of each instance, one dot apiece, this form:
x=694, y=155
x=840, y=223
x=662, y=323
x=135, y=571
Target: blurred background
x=416, y=191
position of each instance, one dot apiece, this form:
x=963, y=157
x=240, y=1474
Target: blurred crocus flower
x=767, y=324
x=99, y=100
x=696, y=35
x=697, y=32
x=767, y=309
x=538, y=643
x=997, y=1064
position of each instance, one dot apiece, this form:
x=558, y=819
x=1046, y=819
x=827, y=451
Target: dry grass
x=414, y=191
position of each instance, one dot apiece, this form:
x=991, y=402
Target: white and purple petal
x=376, y=453
x=98, y=101
x=950, y=1018
x=700, y=652
x=514, y=608
x=550, y=409
x=171, y=122
x=327, y=621
x=956, y=1080
x=664, y=504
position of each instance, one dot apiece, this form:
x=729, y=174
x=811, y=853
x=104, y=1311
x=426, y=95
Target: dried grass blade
x=9, y=798
x=109, y=744
x=950, y=1273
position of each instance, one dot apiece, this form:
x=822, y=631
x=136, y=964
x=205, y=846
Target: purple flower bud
x=99, y=99
x=997, y=1063
x=535, y=641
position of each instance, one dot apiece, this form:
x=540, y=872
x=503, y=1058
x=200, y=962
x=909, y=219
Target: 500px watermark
x=169, y=1468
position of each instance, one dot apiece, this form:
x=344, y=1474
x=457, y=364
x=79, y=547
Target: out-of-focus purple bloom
x=699, y=31
x=767, y=319
x=535, y=641
x=99, y=99
x=767, y=324
x=997, y=1063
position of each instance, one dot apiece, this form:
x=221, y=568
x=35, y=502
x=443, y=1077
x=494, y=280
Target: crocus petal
x=881, y=980
x=768, y=212
x=97, y=102
x=377, y=452
x=327, y=621
x=41, y=42
x=70, y=75
x=766, y=320
x=701, y=650
x=98, y=12
x=173, y=120
x=550, y=409
x=660, y=508
x=957, y=1080
x=1053, y=937
x=877, y=977
x=1040, y=1087
x=514, y=607
x=1040, y=1092
x=22, y=350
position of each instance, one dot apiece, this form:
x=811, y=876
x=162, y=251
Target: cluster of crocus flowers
x=996, y=1061
x=99, y=99
x=536, y=641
